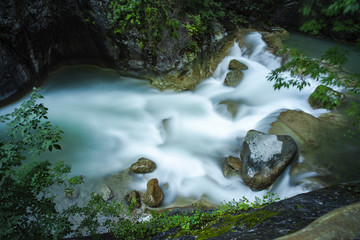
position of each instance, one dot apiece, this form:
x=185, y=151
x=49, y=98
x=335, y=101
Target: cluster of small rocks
x=153, y=196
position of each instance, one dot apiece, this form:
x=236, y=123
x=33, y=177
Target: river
x=109, y=121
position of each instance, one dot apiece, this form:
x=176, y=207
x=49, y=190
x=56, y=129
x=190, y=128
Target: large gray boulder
x=264, y=157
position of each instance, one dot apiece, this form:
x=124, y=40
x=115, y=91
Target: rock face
x=143, y=165
x=288, y=216
x=264, y=157
x=39, y=36
x=341, y=223
x=153, y=195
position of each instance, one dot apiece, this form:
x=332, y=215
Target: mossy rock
x=233, y=78
x=236, y=65
x=325, y=97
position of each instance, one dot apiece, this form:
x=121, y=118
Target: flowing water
x=110, y=121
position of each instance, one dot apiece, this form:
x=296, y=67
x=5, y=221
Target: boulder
x=153, y=195
x=332, y=98
x=303, y=127
x=233, y=78
x=133, y=199
x=326, y=152
x=143, y=165
x=236, y=65
x=264, y=157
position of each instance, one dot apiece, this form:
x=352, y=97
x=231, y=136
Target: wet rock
x=106, y=193
x=326, y=152
x=333, y=98
x=234, y=162
x=303, y=127
x=264, y=157
x=236, y=65
x=231, y=166
x=231, y=106
x=233, y=78
x=153, y=195
x=143, y=165
x=341, y=223
x=133, y=199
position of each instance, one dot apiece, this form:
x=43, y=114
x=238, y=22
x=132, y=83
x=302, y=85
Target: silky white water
x=110, y=121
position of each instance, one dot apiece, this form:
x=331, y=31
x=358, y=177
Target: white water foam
x=109, y=124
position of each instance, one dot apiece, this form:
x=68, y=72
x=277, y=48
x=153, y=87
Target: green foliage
x=328, y=71
x=338, y=15
x=150, y=17
x=27, y=206
x=124, y=226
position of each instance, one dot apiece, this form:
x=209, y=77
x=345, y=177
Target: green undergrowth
x=198, y=222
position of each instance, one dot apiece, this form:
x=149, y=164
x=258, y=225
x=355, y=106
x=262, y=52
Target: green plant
x=27, y=208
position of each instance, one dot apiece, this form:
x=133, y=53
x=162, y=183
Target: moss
x=249, y=220
x=226, y=223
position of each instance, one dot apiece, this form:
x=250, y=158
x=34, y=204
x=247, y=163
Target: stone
x=153, y=195
x=236, y=65
x=231, y=106
x=323, y=92
x=143, y=165
x=106, y=193
x=234, y=162
x=264, y=157
x=233, y=78
x=231, y=166
x=326, y=152
x=133, y=199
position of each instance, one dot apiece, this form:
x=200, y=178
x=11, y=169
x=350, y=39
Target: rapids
x=110, y=121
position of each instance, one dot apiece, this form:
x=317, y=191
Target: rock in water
x=236, y=65
x=143, y=165
x=264, y=156
x=233, y=78
x=153, y=195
